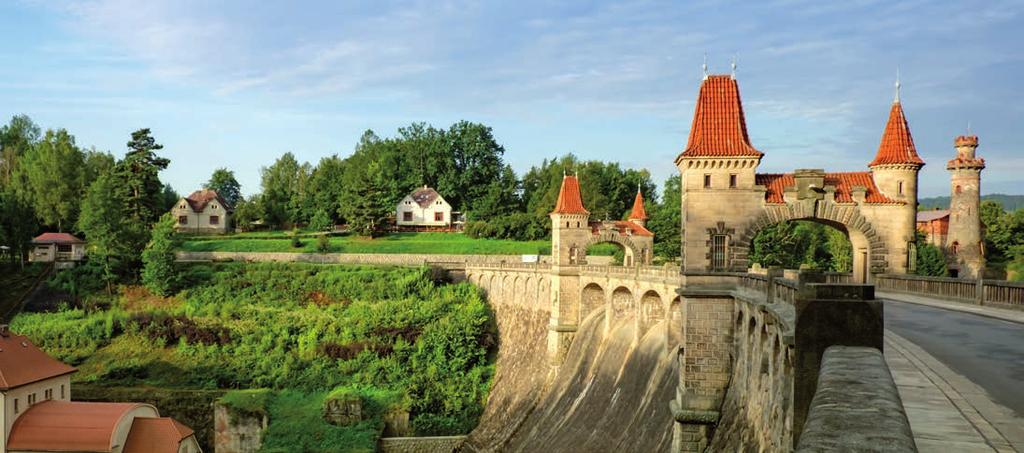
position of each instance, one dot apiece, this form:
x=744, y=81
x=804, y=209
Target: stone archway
x=652, y=311
x=633, y=254
x=870, y=254
x=622, y=302
x=591, y=300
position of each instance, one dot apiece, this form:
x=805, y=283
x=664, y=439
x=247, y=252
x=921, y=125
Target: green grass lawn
x=426, y=243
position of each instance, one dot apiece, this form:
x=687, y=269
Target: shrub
x=323, y=243
x=296, y=242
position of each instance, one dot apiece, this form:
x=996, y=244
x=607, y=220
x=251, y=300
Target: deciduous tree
x=224, y=183
x=158, y=273
x=55, y=172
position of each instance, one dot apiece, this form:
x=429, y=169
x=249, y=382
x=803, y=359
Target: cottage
x=61, y=248
x=204, y=211
x=423, y=208
x=934, y=225
x=37, y=414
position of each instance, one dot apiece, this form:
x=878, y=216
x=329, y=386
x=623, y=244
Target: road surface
x=989, y=352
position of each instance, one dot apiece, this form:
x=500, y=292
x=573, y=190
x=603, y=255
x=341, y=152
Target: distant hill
x=1009, y=202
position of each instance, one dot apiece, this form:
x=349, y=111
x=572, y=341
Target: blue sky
x=236, y=84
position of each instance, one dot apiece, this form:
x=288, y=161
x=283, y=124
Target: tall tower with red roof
x=570, y=225
x=964, y=238
x=638, y=214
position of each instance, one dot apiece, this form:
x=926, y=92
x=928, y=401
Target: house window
x=31, y=399
x=407, y=216
x=718, y=249
x=182, y=220
x=15, y=405
x=707, y=181
x=64, y=248
x=439, y=217
x=214, y=220
x=62, y=391
x=732, y=181
x=48, y=394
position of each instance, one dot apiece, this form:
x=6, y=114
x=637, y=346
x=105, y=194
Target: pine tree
x=138, y=177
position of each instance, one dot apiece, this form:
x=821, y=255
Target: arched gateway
x=725, y=202
x=572, y=231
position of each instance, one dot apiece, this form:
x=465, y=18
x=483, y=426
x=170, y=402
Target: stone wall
x=440, y=444
x=235, y=432
x=852, y=379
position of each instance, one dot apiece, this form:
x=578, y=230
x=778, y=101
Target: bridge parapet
x=998, y=293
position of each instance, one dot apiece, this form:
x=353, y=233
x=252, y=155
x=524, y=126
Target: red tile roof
x=935, y=214
x=69, y=426
x=21, y=362
x=199, y=199
x=57, y=238
x=843, y=182
x=156, y=435
x=638, y=212
x=897, y=146
x=719, y=128
x=623, y=226
x=425, y=196
x=569, y=199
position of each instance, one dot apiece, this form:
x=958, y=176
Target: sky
x=237, y=84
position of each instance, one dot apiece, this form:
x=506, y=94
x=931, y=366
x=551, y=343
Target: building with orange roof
x=572, y=231
x=726, y=202
x=39, y=416
x=203, y=211
x=61, y=248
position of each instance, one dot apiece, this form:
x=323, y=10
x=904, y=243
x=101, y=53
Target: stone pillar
x=565, y=309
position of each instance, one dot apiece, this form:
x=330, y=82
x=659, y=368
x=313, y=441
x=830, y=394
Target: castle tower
x=895, y=170
x=719, y=194
x=638, y=215
x=570, y=228
x=964, y=243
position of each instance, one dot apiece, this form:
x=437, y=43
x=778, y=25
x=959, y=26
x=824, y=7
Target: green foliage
x=249, y=402
x=296, y=241
x=17, y=224
x=247, y=211
x=168, y=198
x=16, y=138
x=323, y=243
x=666, y=220
x=138, y=181
x=517, y=226
x=1005, y=235
x=797, y=244
x=326, y=191
x=427, y=243
x=54, y=170
x=930, y=260
x=158, y=272
x=115, y=239
x=224, y=183
x=321, y=221
x=366, y=203
x=390, y=334
x=284, y=191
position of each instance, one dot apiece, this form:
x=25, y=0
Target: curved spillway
x=611, y=393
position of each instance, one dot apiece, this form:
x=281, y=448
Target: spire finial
x=638, y=187
x=897, y=99
x=734, y=66
x=968, y=128
x=563, y=172
x=704, y=67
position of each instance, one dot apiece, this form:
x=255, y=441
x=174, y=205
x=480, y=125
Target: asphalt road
x=989, y=352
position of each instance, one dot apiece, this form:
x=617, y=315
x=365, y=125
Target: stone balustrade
x=981, y=292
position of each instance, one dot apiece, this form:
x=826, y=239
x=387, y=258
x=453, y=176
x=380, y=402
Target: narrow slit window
x=732, y=181
x=707, y=181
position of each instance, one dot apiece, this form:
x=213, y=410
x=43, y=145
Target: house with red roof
x=38, y=415
x=424, y=207
x=61, y=248
x=203, y=211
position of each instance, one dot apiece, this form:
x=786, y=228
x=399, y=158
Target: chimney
x=4, y=331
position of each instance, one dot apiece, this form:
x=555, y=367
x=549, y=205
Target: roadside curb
x=988, y=312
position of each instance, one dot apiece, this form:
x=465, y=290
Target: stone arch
x=630, y=248
x=870, y=254
x=622, y=302
x=651, y=310
x=519, y=290
x=591, y=300
x=532, y=298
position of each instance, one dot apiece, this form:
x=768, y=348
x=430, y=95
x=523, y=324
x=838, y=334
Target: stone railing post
x=773, y=274
x=979, y=292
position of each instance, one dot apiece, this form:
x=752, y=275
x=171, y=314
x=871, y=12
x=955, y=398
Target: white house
x=424, y=207
x=61, y=248
x=203, y=212
x=38, y=415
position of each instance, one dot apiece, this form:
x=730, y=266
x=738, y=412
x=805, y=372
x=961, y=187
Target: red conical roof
x=638, y=212
x=569, y=199
x=719, y=128
x=897, y=147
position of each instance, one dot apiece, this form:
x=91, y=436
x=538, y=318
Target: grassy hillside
x=390, y=335
x=1009, y=202
x=419, y=243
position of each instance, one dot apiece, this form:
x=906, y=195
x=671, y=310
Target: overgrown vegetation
x=391, y=334
x=793, y=244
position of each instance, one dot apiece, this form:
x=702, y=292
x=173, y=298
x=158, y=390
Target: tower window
x=959, y=189
x=899, y=187
x=707, y=181
x=955, y=248
x=732, y=181
x=718, y=250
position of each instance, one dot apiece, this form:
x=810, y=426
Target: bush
x=323, y=243
x=518, y=226
x=296, y=242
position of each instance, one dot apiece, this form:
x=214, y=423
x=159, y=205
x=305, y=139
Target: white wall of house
x=213, y=219
x=48, y=253
x=409, y=213
x=22, y=393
